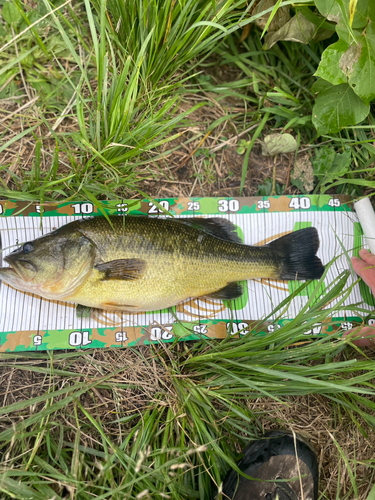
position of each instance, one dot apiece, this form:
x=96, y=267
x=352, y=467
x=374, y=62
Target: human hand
x=365, y=268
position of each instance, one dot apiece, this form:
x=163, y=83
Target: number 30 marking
x=231, y=205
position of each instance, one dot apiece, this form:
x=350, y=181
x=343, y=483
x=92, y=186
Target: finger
x=364, y=338
x=367, y=257
x=365, y=270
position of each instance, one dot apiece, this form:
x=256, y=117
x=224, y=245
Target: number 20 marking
x=155, y=210
x=161, y=334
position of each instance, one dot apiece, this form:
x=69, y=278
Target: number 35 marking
x=264, y=204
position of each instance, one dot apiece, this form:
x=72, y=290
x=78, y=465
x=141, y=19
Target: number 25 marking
x=193, y=205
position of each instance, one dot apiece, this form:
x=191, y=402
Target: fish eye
x=28, y=247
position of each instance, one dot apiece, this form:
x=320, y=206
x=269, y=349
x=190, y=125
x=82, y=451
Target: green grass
x=164, y=422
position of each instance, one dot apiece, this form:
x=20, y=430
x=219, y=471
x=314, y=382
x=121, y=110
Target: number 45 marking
x=334, y=202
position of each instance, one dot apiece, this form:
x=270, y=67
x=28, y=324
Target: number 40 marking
x=297, y=203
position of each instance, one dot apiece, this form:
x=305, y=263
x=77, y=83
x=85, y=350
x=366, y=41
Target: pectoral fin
x=231, y=291
x=122, y=269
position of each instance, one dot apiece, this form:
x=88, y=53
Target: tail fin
x=297, y=253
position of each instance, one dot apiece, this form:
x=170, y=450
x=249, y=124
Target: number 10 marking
x=79, y=338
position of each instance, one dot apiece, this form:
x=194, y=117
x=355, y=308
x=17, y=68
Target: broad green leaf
x=10, y=13
x=265, y=189
x=278, y=143
x=323, y=161
x=298, y=29
x=330, y=9
x=338, y=11
x=338, y=107
x=358, y=64
x=320, y=86
x=364, y=11
x=341, y=163
x=329, y=66
x=329, y=165
x=351, y=62
x=320, y=22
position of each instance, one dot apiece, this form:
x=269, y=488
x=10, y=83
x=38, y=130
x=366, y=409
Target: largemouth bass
x=144, y=264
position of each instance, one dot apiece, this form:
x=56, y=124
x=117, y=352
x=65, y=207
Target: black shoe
x=274, y=456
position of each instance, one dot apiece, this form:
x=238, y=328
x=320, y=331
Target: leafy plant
x=347, y=66
x=330, y=165
x=265, y=189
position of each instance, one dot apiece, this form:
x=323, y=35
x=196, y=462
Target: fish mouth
x=18, y=266
x=8, y=274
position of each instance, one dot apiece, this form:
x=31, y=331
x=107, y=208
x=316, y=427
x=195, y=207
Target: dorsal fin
x=216, y=226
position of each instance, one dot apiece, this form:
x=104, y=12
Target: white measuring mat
x=28, y=322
